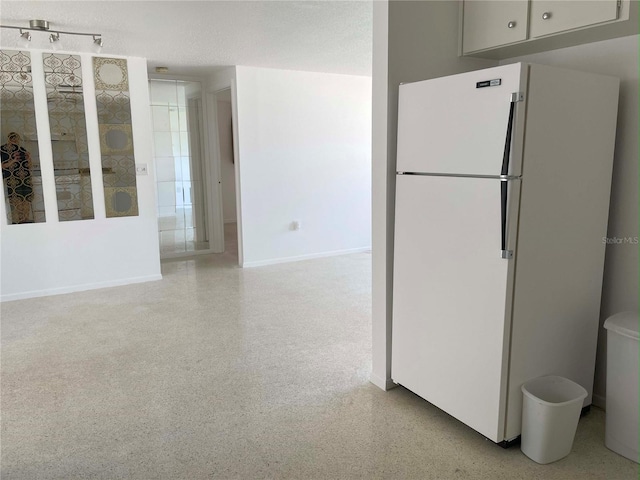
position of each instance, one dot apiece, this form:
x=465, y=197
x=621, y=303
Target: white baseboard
x=78, y=288
x=384, y=384
x=273, y=261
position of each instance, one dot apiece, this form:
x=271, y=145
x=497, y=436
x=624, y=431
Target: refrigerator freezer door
x=450, y=334
x=458, y=124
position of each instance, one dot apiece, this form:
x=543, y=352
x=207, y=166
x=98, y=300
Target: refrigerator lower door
x=450, y=289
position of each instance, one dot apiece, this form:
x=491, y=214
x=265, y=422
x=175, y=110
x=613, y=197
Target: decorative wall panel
x=116, y=140
x=67, y=123
x=22, y=181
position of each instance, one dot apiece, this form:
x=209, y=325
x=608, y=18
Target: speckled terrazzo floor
x=219, y=372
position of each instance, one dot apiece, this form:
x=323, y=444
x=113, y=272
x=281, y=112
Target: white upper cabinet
x=503, y=28
x=554, y=16
x=492, y=23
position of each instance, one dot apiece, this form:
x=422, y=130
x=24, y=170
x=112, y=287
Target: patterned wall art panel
x=21, y=178
x=116, y=140
x=65, y=102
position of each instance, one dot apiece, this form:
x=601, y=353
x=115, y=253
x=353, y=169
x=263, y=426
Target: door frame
x=214, y=139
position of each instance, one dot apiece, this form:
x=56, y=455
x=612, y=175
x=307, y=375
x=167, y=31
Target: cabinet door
x=488, y=24
x=553, y=16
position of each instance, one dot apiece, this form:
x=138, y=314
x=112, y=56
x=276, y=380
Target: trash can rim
x=582, y=396
x=624, y=323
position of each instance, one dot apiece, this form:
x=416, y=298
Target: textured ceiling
x=198, y=37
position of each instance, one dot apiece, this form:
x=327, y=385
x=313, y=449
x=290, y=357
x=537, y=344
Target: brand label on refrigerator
x=489, y=83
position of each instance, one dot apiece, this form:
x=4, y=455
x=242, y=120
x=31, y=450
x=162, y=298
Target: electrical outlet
x=141, y=169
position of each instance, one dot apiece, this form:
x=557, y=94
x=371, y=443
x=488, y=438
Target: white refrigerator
x=502, y=201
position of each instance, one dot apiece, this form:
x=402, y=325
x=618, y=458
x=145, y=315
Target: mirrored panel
x=65, y=101
x=176, y=108
x=21, y=178
x=116, y=140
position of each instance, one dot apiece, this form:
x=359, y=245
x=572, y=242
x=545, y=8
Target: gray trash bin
x=550, y=413
x=621, y=433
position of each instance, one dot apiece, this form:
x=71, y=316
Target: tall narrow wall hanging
x=116, y=139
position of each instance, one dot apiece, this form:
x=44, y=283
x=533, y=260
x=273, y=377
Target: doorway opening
x=224, y=120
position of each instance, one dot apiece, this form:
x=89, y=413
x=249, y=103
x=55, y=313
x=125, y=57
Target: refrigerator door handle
x=504, y=184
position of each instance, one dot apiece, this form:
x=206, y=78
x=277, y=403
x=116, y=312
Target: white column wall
x=59, y=257
x=304, y=155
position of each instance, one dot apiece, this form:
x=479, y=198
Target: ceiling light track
x=44, y=26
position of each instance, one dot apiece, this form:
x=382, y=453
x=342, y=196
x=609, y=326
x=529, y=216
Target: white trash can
x=550, y=414
x=621, y=431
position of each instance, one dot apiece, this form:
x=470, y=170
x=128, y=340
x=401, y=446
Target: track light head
x=25, y=38
x=97, y=44
x=54, y=37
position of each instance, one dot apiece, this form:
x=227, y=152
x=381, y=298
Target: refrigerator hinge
x=517, y=97
x=507, y=254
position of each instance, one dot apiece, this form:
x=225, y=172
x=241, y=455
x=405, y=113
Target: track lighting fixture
x=54, y=37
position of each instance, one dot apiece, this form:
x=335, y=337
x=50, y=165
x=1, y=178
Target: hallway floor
x=228, y=373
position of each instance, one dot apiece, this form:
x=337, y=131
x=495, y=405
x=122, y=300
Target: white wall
x=380, y=184
x=221, y=79
x=617, y=57
x=304, y=155
x=59, y=257
x=411, y=41
x=227, y=168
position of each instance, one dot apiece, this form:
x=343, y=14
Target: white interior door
x=456, y=124
x=196, y=167
x=449, y=293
